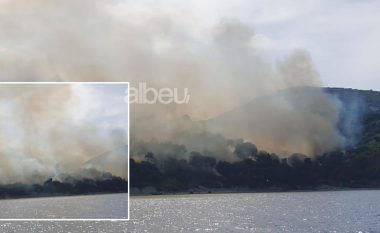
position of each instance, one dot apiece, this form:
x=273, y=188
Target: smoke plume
x=78, y=40
x=43, y=135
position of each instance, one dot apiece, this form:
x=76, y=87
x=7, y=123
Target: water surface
x=342, y=211
x=104, y=206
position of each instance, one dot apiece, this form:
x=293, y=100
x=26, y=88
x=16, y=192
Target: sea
x=325, y=211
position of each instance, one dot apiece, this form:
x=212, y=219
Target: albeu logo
x=142, y=94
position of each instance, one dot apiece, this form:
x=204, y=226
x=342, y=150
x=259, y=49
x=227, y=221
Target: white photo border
x=128, y=135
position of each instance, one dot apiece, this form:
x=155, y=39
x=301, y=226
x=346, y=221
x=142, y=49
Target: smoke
x=78, y=40
x=292, y=121
x=43, y=135
x=245, y=150
x=354, y=108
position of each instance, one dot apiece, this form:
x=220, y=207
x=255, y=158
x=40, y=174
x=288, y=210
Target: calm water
x=345, y=211
x=71, y=207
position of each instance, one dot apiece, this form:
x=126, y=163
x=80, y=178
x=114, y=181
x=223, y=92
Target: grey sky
x=341, y=36
x=104, y=104
x=41, y=41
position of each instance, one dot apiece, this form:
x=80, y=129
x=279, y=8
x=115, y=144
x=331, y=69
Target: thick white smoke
x=44, y=135
x=79, y=40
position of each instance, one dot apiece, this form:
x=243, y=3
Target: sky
x=103, y=105
x=233, y=46
x=341, y=36
x=42, y=40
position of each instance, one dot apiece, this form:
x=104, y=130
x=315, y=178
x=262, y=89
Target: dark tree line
x=356, y=168
x=70, y=186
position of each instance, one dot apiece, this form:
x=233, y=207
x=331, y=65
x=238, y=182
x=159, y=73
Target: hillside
x=370, y=98
x=357, y=165
x=359, y=113
x=364, y=106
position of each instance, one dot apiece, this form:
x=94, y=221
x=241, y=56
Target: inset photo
x=64, y=151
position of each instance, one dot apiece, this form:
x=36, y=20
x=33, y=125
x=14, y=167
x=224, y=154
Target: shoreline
x=189, y=193
x=58, y=195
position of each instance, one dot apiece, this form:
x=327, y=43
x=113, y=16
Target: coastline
x=249, y=191
x=59, y=195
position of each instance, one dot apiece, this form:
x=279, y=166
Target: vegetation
x=70, y=186
x=355, y=169
x=355, y=166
